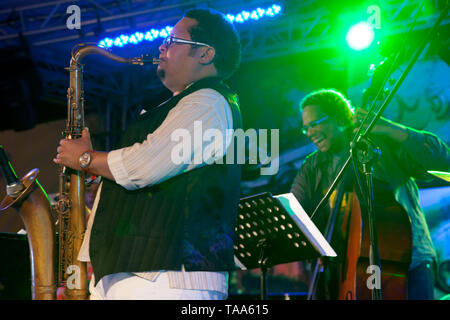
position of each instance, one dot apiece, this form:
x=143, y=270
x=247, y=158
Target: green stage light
x=360, y=36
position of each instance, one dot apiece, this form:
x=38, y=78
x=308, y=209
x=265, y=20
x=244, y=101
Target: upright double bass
x=354, y=275
x=357, y=276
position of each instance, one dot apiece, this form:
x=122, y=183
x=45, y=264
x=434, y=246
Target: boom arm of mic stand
x=397, y=85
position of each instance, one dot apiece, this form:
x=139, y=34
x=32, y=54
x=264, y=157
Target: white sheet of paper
x=309, y=229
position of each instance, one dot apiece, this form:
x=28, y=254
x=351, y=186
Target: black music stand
x=267, y=235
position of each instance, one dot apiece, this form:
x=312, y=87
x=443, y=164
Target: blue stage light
x=118, y=43
x=148, y=36
x=163, y=33
x=139, y=36
x=124, y=39
x=276, y=9
x=133, y=39
x=153, y=34
x=230, y=17
x=254, y=15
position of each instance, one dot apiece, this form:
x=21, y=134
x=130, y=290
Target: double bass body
x=395, y=247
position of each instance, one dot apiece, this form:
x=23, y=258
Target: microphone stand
x=368, y=153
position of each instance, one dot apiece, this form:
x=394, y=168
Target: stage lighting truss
x=154, y=34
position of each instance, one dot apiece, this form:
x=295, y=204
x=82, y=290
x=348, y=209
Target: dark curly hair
x=332, y=103
x=214, y=29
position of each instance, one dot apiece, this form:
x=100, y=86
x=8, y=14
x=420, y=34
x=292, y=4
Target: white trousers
x=127, y=286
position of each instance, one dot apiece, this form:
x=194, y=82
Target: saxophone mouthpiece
x=147, y=59
x=144, y=60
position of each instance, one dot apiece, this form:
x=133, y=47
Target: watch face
x=85, y=160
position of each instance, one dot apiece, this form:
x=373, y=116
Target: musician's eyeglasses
x=313, y=124
x=171, y=39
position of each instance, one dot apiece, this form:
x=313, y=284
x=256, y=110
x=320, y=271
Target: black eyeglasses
x=313, y=124
x=171, y=39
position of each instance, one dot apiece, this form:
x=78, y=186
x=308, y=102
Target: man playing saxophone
x=161, y=229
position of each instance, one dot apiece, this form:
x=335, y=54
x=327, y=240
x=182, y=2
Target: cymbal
x=440, y=174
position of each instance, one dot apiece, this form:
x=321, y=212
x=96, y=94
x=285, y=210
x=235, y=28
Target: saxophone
x=72, y=274
x=31, y=201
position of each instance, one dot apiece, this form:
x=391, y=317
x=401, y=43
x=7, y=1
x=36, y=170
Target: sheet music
x=309, y=229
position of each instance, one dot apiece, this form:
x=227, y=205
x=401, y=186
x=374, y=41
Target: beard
x=161, y=73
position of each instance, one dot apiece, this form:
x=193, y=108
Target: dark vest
x=186, y=220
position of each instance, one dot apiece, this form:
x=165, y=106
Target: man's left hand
x=382, y=127
x=70, y=150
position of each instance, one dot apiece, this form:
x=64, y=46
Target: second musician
x=406, y=154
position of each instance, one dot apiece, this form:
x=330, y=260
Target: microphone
x=13, y=185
